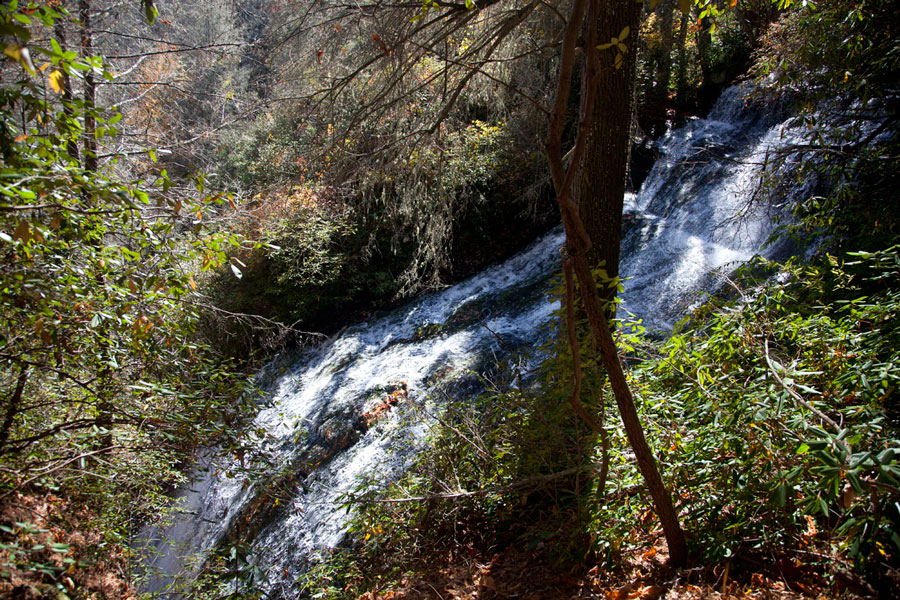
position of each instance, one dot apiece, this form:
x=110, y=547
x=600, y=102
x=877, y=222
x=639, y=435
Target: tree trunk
x=703, y=39
x=666, y=12
x=593, y=145
x=89, y=151
x=13, y=407
x=90, y=87
x=662, y=500
x=68, y=97
x=600, y=189
x=681, y=72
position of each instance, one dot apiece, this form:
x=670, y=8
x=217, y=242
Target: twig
x=48, y=470
x=469, y=494
x=796, y=396
x=502, y=342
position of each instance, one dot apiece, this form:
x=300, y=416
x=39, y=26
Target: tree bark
x=600, y=187
x=592, y=135
x=703, y=39
x=90, y=87
x=681, y=67
x=13, y=407
x=68, y=97
x=666, y=11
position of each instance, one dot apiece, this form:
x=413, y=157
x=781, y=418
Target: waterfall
x=359, y=406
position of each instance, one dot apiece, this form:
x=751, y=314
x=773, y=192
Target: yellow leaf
x=13, y=51
x=21, y=138
x=193, y=285
x=21, y=55
x=624, y=34
x=55, y=79
x=199, y=215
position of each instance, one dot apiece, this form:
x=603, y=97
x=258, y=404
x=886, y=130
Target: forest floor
x=643, y=575
x=51, y=547
x=87, y=568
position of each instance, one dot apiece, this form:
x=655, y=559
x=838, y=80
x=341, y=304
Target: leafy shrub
x=774, y=415
x=313, y=270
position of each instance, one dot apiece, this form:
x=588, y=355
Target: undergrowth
x=775, y=416
x=773, y=413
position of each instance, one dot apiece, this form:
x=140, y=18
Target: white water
x=679, y=229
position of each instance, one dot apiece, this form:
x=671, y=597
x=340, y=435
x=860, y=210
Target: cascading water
x=357, y=407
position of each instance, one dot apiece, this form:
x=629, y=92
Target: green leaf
x=15, y=30
x=855, y=483
x=781, y=494
x=885, y=456
x=150, y=11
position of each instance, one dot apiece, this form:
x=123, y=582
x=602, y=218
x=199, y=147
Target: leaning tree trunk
x=591, y=138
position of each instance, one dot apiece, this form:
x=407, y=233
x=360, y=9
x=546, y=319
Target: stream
x=357, y=408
